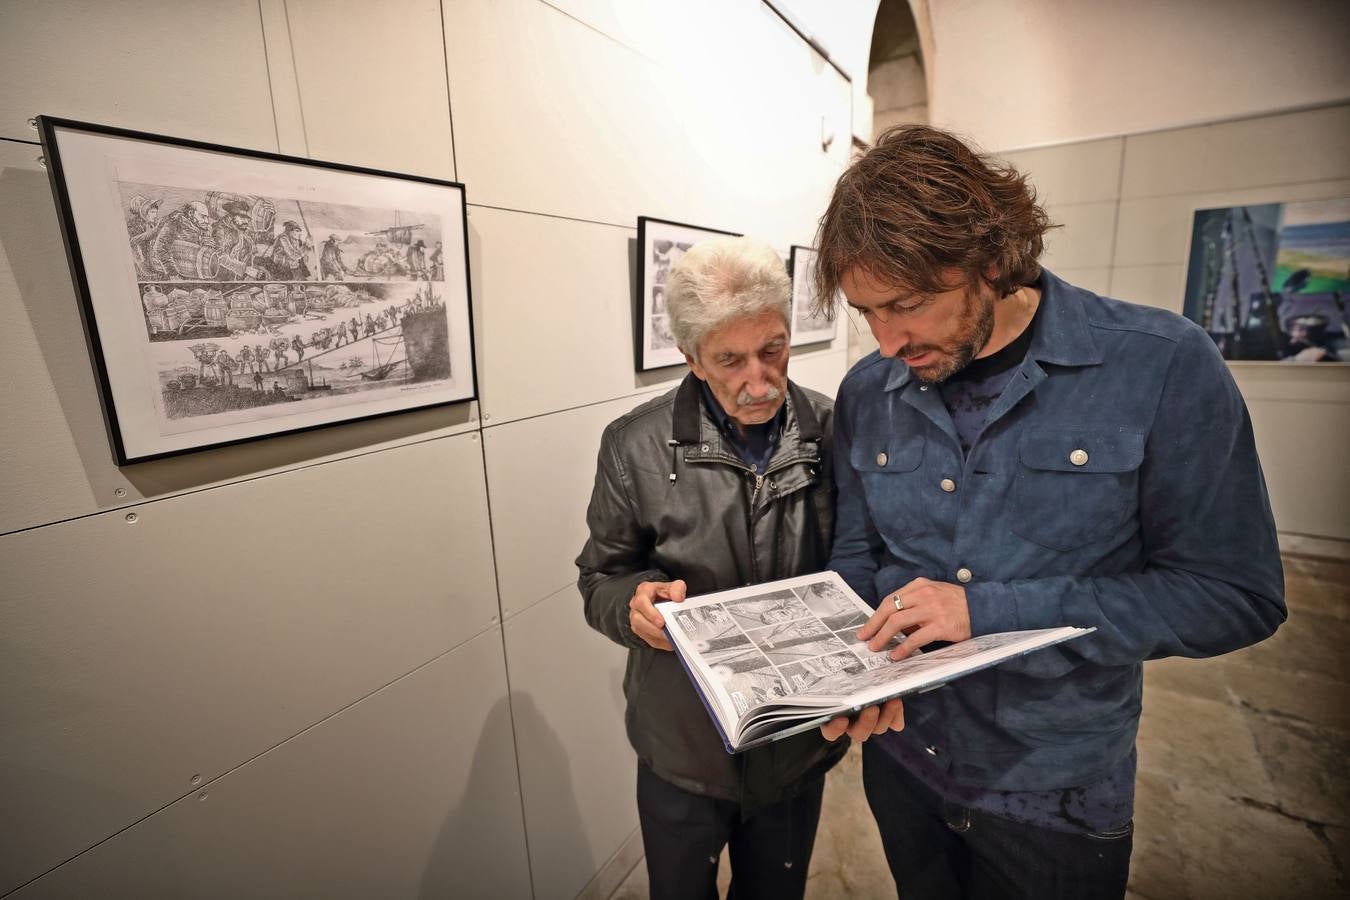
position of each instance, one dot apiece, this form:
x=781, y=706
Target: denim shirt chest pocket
x=890, y=468
x=1075, y=486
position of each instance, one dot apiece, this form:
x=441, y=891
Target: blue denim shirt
x=1158, y=533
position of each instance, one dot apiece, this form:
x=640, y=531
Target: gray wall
x=1127, y=204
x=352, y=662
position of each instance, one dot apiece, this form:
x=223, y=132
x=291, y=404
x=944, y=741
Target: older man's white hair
x=722, y=279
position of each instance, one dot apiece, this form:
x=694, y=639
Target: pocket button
x=964, y=575
x=881, y=458
x=1079, y=457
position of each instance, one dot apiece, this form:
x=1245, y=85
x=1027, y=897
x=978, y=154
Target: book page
x=787, y=650
x=761, y=645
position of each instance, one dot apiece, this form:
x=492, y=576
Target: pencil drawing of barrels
x=193, y=261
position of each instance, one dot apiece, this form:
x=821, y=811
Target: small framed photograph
x=230, y=295
x=808, y=327
x=660, y=246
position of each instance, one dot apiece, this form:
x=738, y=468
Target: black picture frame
x=653, y=345
x=807, y=328
x=233, y=266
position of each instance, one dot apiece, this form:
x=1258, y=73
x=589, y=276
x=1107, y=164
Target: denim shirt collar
x=1062, y=336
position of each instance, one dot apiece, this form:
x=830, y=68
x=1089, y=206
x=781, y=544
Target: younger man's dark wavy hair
x=921, y=201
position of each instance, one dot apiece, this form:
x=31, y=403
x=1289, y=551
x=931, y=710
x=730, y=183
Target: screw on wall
x=132, y=518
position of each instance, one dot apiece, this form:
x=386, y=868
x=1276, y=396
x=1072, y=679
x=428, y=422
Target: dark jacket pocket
x=890, y=468
x=1073, y=486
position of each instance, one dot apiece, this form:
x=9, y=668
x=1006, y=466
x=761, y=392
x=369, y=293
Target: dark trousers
x=683, y=835
x=938, y=850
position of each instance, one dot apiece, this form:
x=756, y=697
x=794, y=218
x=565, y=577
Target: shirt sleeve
x=1212, y=582
x=616, y=557
x=857, y=543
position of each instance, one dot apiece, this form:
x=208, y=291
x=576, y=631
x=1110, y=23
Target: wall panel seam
x=548, y=215
x=449, y=102
x=1183, y=126
x=295, y=67
x=173, y=495
x=1115, y=221
x=506, y=664
x=604, y=34
x=566, y=409
x=533, y=603
x=215, y=778
x=1233, y=189
x=267, y=68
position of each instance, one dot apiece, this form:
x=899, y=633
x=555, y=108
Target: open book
x=775, y=659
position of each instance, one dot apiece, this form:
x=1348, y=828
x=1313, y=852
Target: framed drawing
x=807, y=326
x=1270, y=282
x=230, y=295
x=660, y=246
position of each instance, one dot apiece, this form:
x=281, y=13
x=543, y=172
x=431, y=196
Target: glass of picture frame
x=660, y=244
x=809, y=325
x=231, y=295
x=1268, y=282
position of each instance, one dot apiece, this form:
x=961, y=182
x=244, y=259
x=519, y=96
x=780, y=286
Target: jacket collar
x=1062, y=336
x=687, y=424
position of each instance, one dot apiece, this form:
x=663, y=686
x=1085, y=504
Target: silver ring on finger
x=898, y=605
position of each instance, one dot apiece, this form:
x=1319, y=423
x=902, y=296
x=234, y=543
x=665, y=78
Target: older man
x=724, y=481
x=1023, y=453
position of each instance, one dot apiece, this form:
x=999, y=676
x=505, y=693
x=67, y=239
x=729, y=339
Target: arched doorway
x=898, y=86
x=896, y=79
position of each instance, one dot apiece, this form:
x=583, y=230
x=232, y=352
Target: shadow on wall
x=552, y=817
x=461, y=848
x=30, y=237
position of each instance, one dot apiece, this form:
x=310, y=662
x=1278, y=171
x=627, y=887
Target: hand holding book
x=643, y=617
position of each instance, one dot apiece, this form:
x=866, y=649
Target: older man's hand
x=643, y=618
x=889, y=716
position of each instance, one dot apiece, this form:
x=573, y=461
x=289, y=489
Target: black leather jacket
x=672, y=502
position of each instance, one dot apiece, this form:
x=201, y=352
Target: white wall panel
x=1161, y=286
x=540, y=474
x=1093, y=278
x=410, y=793
x=1157, y=230
x=819, y=371
x=557, y=298
x=138, y=654
x=55, y=462
x=1272, y=150
x=1083, y=172
x=1040, y=71
x=1302, y=447
x=641, y=138
x=577, y=770
x=566, y=121
x=187, y=68
x=1084, y=240
x=372, y=83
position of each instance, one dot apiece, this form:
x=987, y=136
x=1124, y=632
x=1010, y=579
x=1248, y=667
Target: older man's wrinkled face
x=745, y=365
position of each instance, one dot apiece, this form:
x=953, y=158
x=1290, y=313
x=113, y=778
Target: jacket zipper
x=750, y=529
